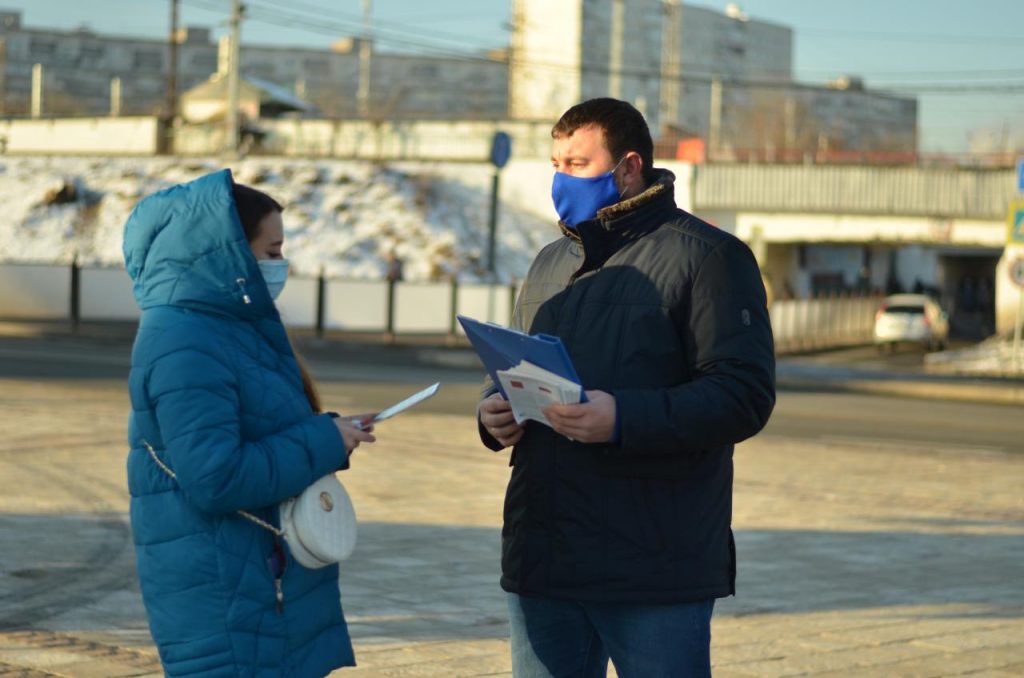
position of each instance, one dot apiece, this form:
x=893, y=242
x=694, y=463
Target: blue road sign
x=1020, y=175
x=501, y=149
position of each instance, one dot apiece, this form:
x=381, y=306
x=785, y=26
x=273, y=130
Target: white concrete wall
x=105, y=136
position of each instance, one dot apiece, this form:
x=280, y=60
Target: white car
x=914, y=318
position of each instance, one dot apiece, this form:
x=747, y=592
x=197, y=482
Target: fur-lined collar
x=664, y=182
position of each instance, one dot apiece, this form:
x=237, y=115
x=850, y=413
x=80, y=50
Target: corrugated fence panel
x=964, y=193
x=423, y=307
x=486, y=303
x=35, y=292
x=107, y=295
x=356, y=305
x=297, y=302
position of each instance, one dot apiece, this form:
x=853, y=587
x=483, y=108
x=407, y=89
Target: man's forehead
x=588, y=138
x=589, y=131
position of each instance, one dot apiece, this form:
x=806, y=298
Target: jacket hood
x=184, y=246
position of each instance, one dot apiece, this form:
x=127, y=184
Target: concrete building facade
x=79, y=66
x=696, y=72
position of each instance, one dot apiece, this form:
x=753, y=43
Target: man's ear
x=633, y=174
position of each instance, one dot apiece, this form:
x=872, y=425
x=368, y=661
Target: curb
x=924, y=390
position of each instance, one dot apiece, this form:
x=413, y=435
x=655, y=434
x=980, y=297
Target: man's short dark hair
x=624, y=128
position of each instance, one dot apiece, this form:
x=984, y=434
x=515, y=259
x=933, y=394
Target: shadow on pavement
x=409, y=582
x=793, y=571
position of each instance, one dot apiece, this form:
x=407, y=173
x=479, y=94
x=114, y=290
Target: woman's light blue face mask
x=578, y=199
x=275, y=274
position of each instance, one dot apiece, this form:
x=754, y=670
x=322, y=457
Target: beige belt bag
x=319, y=525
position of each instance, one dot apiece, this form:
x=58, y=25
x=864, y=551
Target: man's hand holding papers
x=531, y=388
x=589, y=422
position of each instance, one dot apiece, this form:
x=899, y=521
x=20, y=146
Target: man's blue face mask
x=578, y=199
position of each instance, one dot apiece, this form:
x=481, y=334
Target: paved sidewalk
x=854, y=560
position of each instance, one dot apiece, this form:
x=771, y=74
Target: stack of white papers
x=531, y=388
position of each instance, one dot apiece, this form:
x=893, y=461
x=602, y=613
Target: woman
x=219, y=396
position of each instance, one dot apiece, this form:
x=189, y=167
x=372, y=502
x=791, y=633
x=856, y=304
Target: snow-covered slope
x=342, y=217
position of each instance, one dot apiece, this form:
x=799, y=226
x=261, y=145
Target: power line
x=282, y=17
x=318, y=12
x=833, y=33
x=336, y=27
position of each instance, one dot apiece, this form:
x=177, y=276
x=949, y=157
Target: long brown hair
x=253, y=206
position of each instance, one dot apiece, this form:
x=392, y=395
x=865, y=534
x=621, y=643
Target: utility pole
x=3, y=77
x=671, y=59
x=715, y=124
x=37, y=91
x=615, y=49
x=115, y=97
x=171, y=108
x=365, y=45
x=231, y=114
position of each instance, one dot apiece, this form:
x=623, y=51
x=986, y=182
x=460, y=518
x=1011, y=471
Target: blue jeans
x=564, y=639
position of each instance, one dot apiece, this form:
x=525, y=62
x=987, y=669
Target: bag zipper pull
x=279, y=595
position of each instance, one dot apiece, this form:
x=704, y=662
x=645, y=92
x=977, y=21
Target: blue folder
x=500, y=348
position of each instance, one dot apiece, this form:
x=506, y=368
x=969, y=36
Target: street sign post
x=501, y=151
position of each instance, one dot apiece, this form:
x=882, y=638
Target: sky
x=963, y=58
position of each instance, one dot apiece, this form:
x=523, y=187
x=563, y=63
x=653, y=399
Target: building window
x=149, y=60
x=89, y=55
x=205, y=61
x=316, y=66
x=42, y=47
x=425, y=71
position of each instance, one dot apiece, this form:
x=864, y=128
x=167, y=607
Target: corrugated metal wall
x=961, y=193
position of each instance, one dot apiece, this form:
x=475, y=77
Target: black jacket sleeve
x=732, y=394
x=489, y=387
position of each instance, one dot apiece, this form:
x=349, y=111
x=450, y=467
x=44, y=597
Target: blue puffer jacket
x=216, y=390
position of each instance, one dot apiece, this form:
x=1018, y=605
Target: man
x=617, y=535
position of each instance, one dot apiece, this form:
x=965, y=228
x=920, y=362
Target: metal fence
x=77, y=294
x=825, y=322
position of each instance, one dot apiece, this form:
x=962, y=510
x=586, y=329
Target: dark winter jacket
x=216, y=390
x=668, y=314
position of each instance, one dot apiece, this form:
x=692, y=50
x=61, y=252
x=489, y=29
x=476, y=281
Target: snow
x=992, y=357
x=342, y=217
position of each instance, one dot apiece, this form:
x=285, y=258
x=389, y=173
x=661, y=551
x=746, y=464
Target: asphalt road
x=368, y=379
